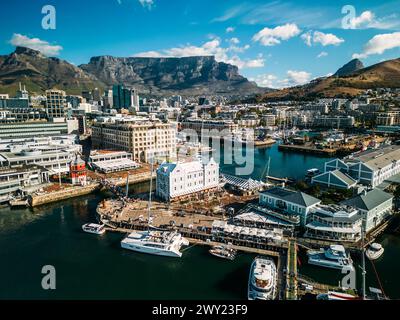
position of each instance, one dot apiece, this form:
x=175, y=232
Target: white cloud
x=234, y=40
x=379, y=44
x=322, y=54
x=147, y=3
x=295, y=78
x=325, y=39
x=368, y=19
x=363, y=20
x=36, y=44
x=265, y=80
x=307, y=37
x=230, y=29
x=210, y=48
x=271, y=37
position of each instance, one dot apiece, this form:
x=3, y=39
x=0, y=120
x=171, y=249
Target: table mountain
x=201, y=75
x=196, y=75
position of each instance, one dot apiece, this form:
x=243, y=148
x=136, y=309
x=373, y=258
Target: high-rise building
x=125, y=98
x=56, y=104
x=96, y=95
x=108, y=99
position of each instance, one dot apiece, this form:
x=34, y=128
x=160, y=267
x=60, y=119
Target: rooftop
x=297, y=197
x=368, y=201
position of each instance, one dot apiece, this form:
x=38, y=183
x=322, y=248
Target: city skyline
x=258, y=37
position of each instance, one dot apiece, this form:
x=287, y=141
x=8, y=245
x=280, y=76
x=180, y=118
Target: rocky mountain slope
x=186, y=76
x=39, y=73
x=383, y=74
x=350, y=68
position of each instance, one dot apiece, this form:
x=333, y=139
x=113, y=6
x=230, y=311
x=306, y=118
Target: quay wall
x=37, y=200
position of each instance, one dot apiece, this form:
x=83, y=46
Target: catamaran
x=162, y=243
x=334, y=257
x=262, y=279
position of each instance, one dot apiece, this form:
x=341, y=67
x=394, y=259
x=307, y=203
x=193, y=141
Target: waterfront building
x=143, y=138
x=77, y=171
x=335, y=178
x=288, y=202
x=269, y=120
x=21, y=180
x=56, y=104
x=214, y=126
x=334, y=223
x=111, y=161
x=55, y=161
x=334, y=121
x=371, y=167
x=178, y=179
x=375, y=206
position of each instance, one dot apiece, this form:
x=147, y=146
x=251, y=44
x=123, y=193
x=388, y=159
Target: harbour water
x=95, y=267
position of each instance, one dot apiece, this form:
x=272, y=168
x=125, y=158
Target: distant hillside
x=157, y=76
x=384, y=74
x=39, y=73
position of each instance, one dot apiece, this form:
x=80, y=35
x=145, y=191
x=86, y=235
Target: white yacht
x=374, y=251
x=162, y=243
x=223, y=252
x=334, y=257
x=94, y=228
x=262, y=280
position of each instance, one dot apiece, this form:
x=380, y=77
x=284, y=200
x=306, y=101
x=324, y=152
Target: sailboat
x=162, y=243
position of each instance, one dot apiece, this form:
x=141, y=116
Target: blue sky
x=276, y=43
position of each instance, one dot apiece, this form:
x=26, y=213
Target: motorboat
x=94, y=228
x=374, y=251
x=333, y=257
x=223, y=252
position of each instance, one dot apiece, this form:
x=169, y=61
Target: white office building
x=175, y=180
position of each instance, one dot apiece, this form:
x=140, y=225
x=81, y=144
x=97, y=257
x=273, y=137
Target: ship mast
x=151, y=187
x=364, y=272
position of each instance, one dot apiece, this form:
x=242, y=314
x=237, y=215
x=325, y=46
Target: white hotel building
x=180, y=179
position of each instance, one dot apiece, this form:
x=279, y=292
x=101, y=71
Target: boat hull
x=374, y=255
x=153, y=251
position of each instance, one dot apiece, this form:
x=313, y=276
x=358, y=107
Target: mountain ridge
x=382, y=74
x=198, y=75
